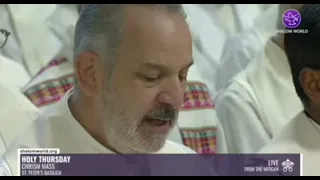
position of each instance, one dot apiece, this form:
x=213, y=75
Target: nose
x=173, y=93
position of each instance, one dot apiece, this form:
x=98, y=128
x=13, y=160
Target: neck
x=314, y=113
x=83, y=111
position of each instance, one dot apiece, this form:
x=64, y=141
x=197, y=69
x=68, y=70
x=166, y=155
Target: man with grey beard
x=131, y=64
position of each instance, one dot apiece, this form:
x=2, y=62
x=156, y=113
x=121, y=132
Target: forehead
x=155, y=35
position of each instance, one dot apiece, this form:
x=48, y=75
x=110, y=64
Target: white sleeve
x=187, y=150
x=238, y=52
x=17, y=73
x=221, y=139
x=16, y=115
x=4, y=168
x=175, y=148
x=239, y=118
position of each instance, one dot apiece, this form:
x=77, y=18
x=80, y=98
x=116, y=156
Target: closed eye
x=150, y=79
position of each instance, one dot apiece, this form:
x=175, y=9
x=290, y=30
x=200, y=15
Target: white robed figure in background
x=302, y=134
x=261, y=99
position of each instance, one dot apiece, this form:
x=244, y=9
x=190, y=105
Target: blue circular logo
x=291, y=18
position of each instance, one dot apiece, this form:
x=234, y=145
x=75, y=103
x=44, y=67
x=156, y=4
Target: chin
x=152, y=145
x=140, y=144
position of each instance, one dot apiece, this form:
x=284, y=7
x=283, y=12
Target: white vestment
x=258, y=102
x=300, y=136
x=199, y=124
x=245, y=46
x=12, y=74
x=221, y=33
x=35, y=30
x=57, y=128
x=12, y=49
x=16, y=111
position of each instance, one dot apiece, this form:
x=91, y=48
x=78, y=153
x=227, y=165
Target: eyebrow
x=160, y=66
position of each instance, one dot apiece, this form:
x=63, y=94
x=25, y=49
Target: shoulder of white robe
x=4, y=168
x=187, y=150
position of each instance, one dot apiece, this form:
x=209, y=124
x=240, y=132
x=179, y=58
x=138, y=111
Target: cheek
x=148, y=96
x=143, y=100
x=135, y=96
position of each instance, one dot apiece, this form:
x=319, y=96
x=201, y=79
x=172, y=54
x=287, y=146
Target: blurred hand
x=266, y=23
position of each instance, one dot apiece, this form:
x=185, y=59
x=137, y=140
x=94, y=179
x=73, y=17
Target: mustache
x=164, y=113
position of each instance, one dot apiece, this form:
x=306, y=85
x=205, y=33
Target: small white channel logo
x=287, y=165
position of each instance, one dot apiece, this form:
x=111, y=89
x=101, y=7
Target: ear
x=310, y=82
x=87, y=66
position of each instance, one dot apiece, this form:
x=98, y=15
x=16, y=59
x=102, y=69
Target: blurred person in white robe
x=16, y=111
x=223, y=32
x=302, y=134
x=261, y=99
x=200, y=118
x=33, y=29
x=12, y=73
x=245, y=46
x=131, y=80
